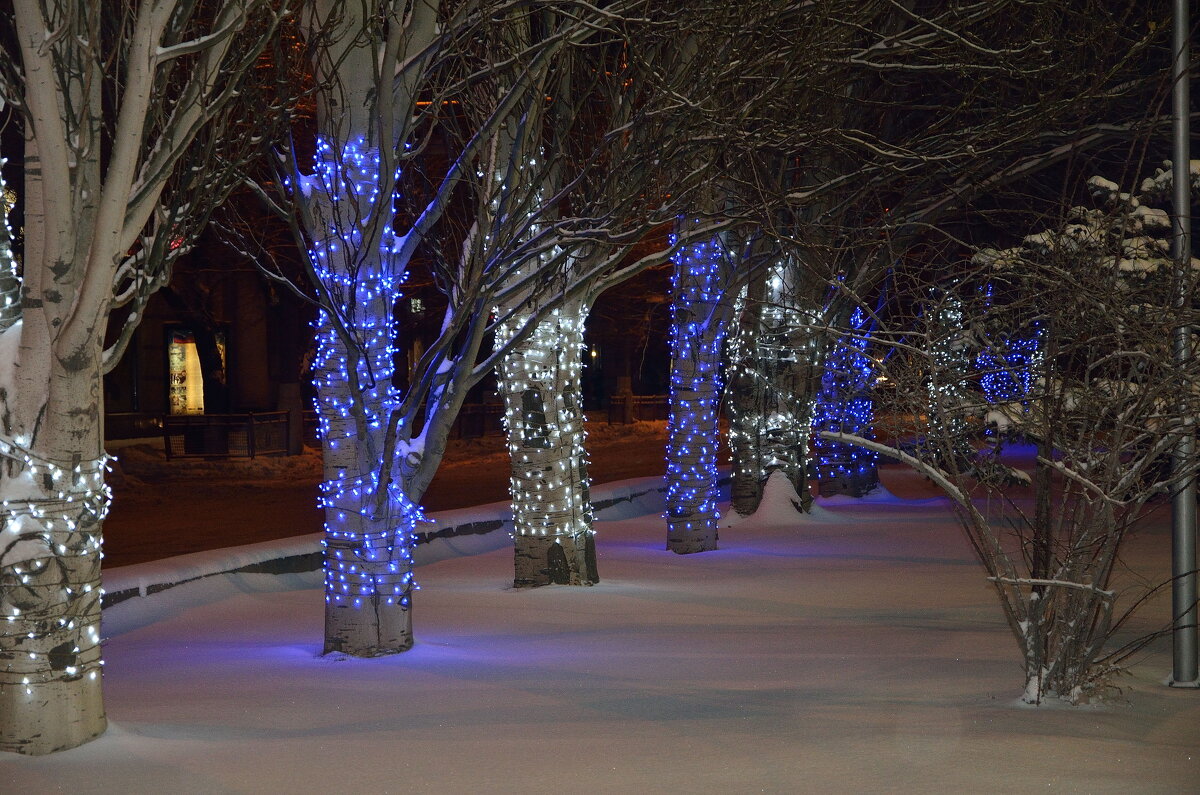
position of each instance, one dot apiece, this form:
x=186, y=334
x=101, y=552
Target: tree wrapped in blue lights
x=369, y=521
x=1008, y=365
x=347, y=205
x=845, y=404
x=700, y=312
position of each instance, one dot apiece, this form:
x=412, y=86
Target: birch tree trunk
x=54, y=495
x=368, y=567
x=55, y=501
x=700, y=312
x=52, y=480
x=540, y=381
x=775, y=376
x=948, y=396
x=746, y=401
x=110, y=107
x=368, y=523
x=358, y=265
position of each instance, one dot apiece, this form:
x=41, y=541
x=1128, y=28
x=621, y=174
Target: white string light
x=772, y=432
x=10, y=282
x=50, y=552
x=50, y=541
x=543, y=415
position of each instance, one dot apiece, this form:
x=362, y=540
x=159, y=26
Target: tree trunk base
x=373, y=628
x=682, y=543
x=745, y=492
x=52, y=716
x=555, y=560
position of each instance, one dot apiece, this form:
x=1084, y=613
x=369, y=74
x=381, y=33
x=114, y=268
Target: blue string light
x=845, y=405
x=1007, y=367
x=697, y=339
x=368, y=558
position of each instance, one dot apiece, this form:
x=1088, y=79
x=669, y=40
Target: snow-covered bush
x=1101, y=410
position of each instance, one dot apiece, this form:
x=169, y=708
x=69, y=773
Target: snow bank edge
x=464, y=531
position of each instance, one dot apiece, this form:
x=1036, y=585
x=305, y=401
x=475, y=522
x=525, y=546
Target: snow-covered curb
x=465, y=531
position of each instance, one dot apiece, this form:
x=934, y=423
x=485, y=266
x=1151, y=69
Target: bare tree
x=1103, y=409
x=130, y=117
x=927, y=107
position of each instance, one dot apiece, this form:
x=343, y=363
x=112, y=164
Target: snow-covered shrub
x=1101, y=407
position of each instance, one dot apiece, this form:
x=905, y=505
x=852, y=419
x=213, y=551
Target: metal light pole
x=1183, y=513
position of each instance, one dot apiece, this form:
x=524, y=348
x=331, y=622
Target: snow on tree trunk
x=539, y=379
x=700, y=313
x=368, y=534
x=114, y=183
x=1064, y=620
x=772, y=400
x=845, y=405
x=54, y=498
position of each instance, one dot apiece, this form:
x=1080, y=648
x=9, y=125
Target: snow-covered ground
x=857, y=650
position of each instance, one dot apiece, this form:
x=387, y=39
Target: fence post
x=250, y=433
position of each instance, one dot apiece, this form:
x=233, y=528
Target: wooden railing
x=632, y=408
x=226, y=435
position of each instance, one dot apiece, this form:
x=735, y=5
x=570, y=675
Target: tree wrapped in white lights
x=539, y=333
x=129, y=121
x=10, y=280
x=950, y=399
x=773, y=371
x=552, y=511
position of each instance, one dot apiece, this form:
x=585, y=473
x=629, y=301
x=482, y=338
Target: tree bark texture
x=98, y=220
x=368, y=566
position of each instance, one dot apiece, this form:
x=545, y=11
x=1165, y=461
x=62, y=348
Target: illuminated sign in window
x=185, y=384
x=185, y=377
